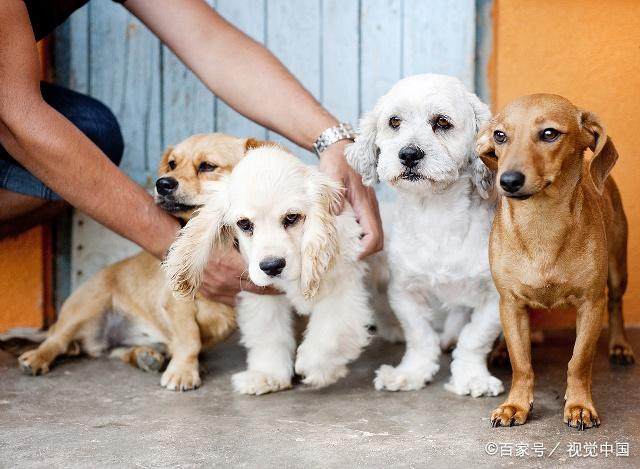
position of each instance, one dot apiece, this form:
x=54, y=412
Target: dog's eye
x=291, y=219
x=206, y=167
x=395, y=122
x=499, y=136
x=172, y=165
x=245, y=225
x=549, y=135
x=441, y=123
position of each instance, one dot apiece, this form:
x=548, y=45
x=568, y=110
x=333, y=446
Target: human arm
x=255, y=83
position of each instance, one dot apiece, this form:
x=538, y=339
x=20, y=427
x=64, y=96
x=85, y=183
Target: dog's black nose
x=272, y=266
x=410, y=156
x=166, y=186
x=512, y=181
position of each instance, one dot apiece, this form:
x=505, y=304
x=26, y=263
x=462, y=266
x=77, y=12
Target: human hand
x=363, y=199
x=226, y=275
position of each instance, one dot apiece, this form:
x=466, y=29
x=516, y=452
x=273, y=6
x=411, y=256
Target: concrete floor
x=102, y=413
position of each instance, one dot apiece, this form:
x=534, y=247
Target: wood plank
x=293, y=35
x=247, y=16
x=340, y=86
x=188, y=107
x=439, y=37
x=124, y=73
x=380, y=49
x=380, y=57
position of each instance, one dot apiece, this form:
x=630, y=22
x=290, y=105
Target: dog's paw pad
x=389, y=378
x=256, y=383
x=180, y=379
x=32, y=363
x=509, y=415
x=581, y=417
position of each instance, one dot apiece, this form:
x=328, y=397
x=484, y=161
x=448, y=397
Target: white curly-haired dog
x=284, y=215
x=419, y=138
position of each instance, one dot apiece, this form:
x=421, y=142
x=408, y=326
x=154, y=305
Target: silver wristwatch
x=332, y=135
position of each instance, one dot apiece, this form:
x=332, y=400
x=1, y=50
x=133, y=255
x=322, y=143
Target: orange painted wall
x=22, y=274
x=25, y=266
x=588, y=51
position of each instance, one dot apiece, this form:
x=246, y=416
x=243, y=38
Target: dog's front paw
x=34, y=363
x=318, y=373
x=181, y=377
x=391, y=378
x=149, y=359
x=256, y=382
x=509, y=415
x=581, y=416
x=476, y=386
x=620, y=352
x=470, y=378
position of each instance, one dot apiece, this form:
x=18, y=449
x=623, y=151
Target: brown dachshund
x=559, y=238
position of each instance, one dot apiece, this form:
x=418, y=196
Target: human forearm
x=56, y=152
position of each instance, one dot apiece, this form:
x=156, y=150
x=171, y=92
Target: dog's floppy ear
x=252, y=143
x=482, y=175
x=320, y=237
x=604, y=152
x=363, y=153
x=189, y=253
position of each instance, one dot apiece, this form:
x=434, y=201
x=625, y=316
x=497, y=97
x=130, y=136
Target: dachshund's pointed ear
x=320, y=238
x=188, y=255
x=363, y=153
x=604, y=152
x=482, y=175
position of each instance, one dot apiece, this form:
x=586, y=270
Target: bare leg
x=515, y=323
x=579, y=411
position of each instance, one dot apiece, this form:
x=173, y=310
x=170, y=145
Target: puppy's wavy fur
x=440, y=284
x=126, y=308
x=278, y=208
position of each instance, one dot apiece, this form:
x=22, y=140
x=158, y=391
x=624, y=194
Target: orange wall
x=588, y=51
x=23, y=267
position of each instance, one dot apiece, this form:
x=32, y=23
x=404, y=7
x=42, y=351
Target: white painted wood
x=247, y=15
x=94, y=247
x=439, y=37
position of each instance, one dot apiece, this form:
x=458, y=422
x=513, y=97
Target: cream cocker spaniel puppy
x=284, y=215
x=419, y=139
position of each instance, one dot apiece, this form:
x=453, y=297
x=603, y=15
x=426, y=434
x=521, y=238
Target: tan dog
x=558, y=240
x=127, y=309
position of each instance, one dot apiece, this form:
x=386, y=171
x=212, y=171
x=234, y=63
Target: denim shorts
x=92, y=117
